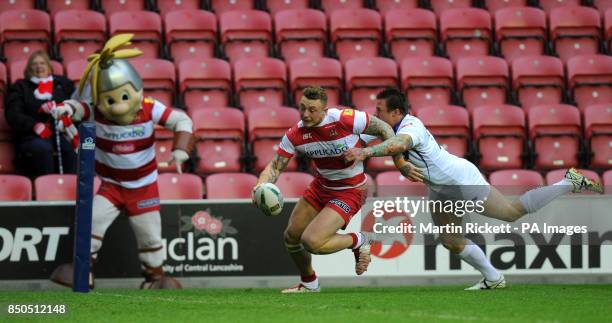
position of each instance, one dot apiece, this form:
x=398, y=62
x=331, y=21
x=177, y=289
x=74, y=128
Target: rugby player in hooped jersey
x=449, y=177
x=338, y=190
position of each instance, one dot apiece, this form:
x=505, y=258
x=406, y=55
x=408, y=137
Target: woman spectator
x=34, y=131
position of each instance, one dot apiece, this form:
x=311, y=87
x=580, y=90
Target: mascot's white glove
x=179, y=157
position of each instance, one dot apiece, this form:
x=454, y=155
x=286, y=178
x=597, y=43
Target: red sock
x=355, y=240
x=309, y=278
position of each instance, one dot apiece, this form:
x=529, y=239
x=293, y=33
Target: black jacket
x=22, y=106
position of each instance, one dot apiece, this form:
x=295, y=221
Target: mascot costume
x=125, y=154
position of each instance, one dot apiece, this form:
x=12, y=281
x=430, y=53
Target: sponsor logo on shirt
x=335, y=150
x=123, y=148
x=148, y=203
x=307, y=136
x=348, y=112
x=130, y=133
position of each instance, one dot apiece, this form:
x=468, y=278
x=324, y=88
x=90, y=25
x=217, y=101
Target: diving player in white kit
x=449, y=177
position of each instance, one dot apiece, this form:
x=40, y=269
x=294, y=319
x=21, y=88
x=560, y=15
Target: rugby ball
x=269, y=199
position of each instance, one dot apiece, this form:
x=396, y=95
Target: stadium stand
x=386, y=6
x=190, y=34
x=6, y=5
x=321, y=71
x=158, y=78
x=450, y=125
x=15, y=188
x=590, y=79
x=393, y=183
x=266, y=127
x=300, y=33
x=173, y=186
x=427, y=81
x=78, y=33
x=55, y=7
x=332, y=6
x=260, y=82
x=355, y=33
x=410, y=32
x=55, y=187
x=276, y=6
x=230, y=185
x=222, y=6
x=575, y=31
x=520, y=32
x=245, y=34
x=482, y=80
x=598, y=133
x=109, y=7
x=293, y=184
x=465, y=32
x=538, y=80
x=607, y=181
x=167, y=6
x=205, y=83
x=146, y=27
x=23, y=32
x=365, y=77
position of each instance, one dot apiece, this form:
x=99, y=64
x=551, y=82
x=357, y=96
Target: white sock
x=473, y=255
x=313, y=284
x=538, y=198
x=360, y=240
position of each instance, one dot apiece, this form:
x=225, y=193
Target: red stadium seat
x=575, y=31
x=590, y=79
x=7, y=156
x=245, y=34
x=56, y=6
x=220, y=132
x=331, y=6
x=190, y=34
x=266, y=128
x=15, y=188
x=173, y=186
x=538, y=80
x=110, y=7
x=293, y=184
x=387, y=6
x=260, y=82
x=205, y=83
x=550, y=5
x=365, y=77
x=607, y=181
x=598, y=132
x=482, y=80
x=276, y=6
x=320, y=71
x=440, y=6
x=74, y=70
x=515, y=181
x=608, y=28
x=355, y=33
x=79, y=33
x=23, y=32
x=465, y=32
x=554, y=176
x=393, y=183
x=158, y=77
x=520, y=32
x=450, y=125
x=223, y=6
x=3, y=84
x=167, y=6
x=6, y=5
x=300, y=33
x=495, y=5
x=55, y=187
x=410, y=32
x=371, y=185
x=555, y=132
x=16, y=69
x=230, y=186
x=427, y=81
x=163, y=151
x=146, y=27
x=603, y=6
x=6, y=132
x=499, y=132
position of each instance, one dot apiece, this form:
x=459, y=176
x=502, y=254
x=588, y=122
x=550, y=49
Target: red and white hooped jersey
x=326, y=143
x=125, y=154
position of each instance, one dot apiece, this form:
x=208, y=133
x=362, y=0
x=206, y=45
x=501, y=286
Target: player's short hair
x=395, y=99
x=316, y=93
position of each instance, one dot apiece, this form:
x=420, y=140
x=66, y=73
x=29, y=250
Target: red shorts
x=345, y=202
x=135, y=201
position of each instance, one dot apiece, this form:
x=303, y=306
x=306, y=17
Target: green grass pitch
x=518, y=303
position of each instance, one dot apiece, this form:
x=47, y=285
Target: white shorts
x=467, y=184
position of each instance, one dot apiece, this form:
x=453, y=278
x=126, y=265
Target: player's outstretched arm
x=378, y=128
x=273, y=170
x=395, y=145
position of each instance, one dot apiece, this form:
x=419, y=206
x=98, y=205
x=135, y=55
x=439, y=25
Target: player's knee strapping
x=293, y=248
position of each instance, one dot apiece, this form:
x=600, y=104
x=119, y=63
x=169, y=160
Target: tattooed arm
x=273, y=170
x=379, y=128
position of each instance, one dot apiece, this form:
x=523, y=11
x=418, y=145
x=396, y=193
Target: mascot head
x=116, y=87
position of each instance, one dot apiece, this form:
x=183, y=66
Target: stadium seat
x=266, y=128
x=554, y=176
x=365, y=77
x=55, y=187
x=190, y=34
x=245, y=34
x=598, y=133
x=205, y=83
x=499, y=132
x=110, y=7
x=482, y=80
x=495, y=5
x=163, y=151
x=410, y=32
x=293, y=184
x=23, y=32
x=379, y=164
x=355, y=33
x=440, y=6
x=427, y=81
x=6, y=5
x=393, y=183
x=79, y=33
x=167, y=6
x=550, y=5
x=222, y=6
x=16, y=69
x=520, y=32
x=608, y=29
x=15, y=188
x=146, y=27
x=371, y=185
x=387, y=6
x=74, y=70
x=575, y=31
x=5, y=129
x=590, y=79
x=555, y=132
x=465, y=32
x=332, y=6
x=603, y=6
x=276, y=6
x=173, y=186
x=300, y=33
x=220, y=132
x=607, y=181
x=230, y=186
x=7, y=156
x=450, y=125
x=538, y=80
x=3, y=84
x=56, y=6
x=260, y=82
x=158, y=78
x=320, y=71
x=515, y=181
